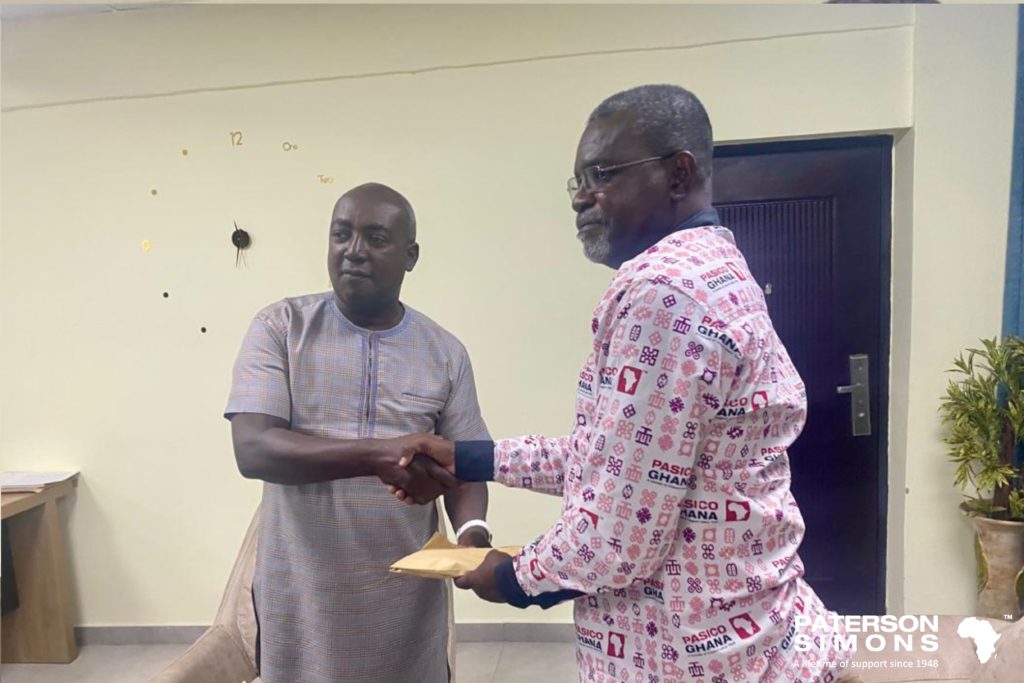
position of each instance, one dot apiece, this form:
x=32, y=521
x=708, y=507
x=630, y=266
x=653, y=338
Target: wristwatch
x=470, y=524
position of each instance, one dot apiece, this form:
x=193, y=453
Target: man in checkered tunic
x=324, y=388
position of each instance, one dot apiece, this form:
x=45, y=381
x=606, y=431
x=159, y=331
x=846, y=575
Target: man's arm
x=533, y=462
x=465, y=504
x=461, y=418
x=266, y=448
x=621, y=516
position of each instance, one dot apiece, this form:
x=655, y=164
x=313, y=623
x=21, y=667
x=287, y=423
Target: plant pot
x=999, y=549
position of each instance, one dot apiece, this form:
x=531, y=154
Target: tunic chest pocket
x=422, y=411
x=429, y=402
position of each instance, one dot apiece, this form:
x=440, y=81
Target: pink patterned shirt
x=677, y=518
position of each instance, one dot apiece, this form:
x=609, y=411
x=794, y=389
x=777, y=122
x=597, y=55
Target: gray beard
x=596, y=246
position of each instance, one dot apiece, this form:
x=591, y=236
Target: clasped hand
x=411, y=467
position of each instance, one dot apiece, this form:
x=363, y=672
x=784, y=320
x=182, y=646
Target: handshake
x=417, y=468
x=420, y=467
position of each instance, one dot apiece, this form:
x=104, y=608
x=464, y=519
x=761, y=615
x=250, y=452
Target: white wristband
x=472, y=523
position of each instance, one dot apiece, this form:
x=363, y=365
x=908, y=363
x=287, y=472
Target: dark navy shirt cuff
x=508, y=584
x=474, y=460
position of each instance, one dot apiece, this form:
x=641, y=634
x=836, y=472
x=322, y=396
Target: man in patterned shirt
x=678, y=535
x=324, y=387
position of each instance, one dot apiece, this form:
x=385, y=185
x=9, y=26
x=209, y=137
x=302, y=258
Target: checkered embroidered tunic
x=329, y=611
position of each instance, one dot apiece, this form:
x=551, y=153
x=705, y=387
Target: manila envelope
x=441, y=559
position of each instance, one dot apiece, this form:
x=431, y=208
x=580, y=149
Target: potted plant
x=984, y=411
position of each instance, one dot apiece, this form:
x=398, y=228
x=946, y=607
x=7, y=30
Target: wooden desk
x=42, y=629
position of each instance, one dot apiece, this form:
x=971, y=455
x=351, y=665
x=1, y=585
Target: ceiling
x=10, y=11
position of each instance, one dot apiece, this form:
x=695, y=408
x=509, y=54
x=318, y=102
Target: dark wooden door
x=813, y=220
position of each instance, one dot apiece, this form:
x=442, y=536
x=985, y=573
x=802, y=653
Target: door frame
x=881, y=431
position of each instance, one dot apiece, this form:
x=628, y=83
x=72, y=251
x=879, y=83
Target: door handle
x=859, y=390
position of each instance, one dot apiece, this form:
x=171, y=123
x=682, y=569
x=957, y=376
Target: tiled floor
x=95, y=663
x=475, y=663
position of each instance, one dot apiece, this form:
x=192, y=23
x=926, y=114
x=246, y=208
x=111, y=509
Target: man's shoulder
x=280, y=313
x=704, y=263
x=699, y=272
x=429, y=330
x=647, y=281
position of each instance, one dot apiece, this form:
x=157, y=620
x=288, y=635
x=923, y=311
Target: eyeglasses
x=594, y=177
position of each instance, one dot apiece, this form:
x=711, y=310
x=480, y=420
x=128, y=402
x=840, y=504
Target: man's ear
x=412, y=255
x=683, y=175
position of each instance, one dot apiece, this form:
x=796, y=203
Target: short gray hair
x=668, y=118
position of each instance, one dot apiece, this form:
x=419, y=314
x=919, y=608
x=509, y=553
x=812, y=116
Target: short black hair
x=394, y=196
x=668, y=118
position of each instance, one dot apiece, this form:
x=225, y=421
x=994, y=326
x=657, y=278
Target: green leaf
x=985, y=392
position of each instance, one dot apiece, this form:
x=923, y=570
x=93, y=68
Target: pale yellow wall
x=103, y=374
x=963, y=114
x=899, y=362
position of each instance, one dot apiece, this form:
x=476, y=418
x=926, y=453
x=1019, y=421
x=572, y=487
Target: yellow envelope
x=442, y=559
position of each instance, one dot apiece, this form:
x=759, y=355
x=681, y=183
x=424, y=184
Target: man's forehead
x=367, y=207
x=607, y=139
